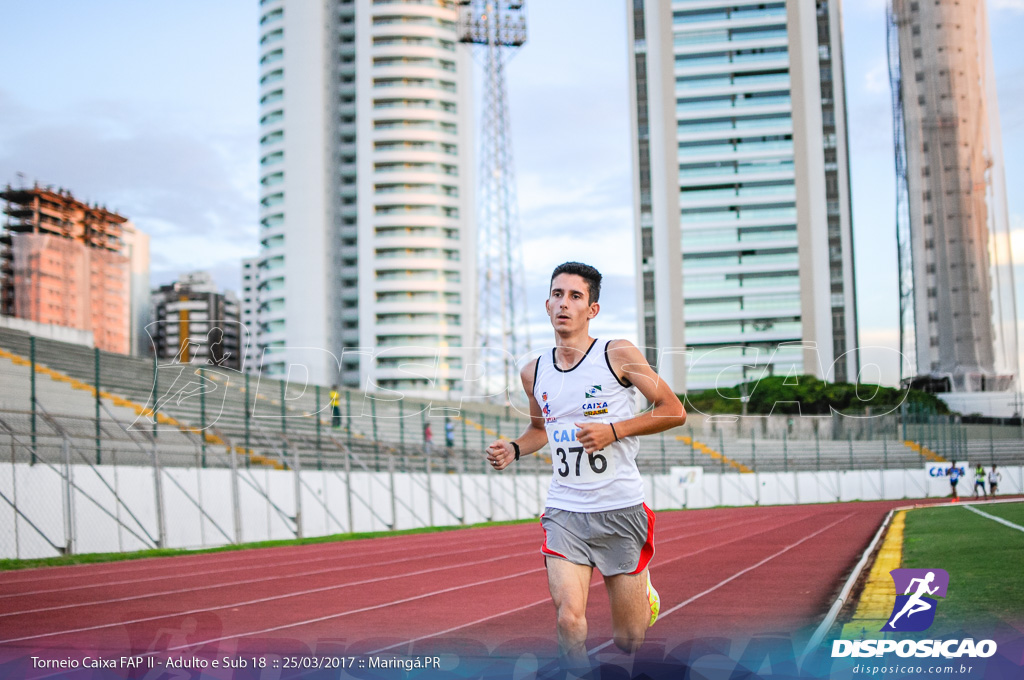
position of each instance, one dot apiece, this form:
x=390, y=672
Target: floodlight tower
x=499, y=27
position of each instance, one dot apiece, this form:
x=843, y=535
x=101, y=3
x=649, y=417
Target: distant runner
x=954, y=476
x=994, y=477
x=979, y=480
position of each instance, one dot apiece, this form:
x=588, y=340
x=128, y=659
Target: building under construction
x=63, y=262
x=958, y=319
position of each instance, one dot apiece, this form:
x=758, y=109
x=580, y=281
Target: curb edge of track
x=844, y=594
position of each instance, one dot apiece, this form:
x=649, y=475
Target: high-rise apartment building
x=249, y=310
x=957, y=296
x=195, y=323
x=742, y=194
x=366, y=172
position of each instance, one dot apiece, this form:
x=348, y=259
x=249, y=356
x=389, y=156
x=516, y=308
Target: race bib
x=572, y=464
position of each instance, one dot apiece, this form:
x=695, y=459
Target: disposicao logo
x=914, y=610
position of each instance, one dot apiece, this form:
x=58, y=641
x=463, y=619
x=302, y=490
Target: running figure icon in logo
x=923, y=582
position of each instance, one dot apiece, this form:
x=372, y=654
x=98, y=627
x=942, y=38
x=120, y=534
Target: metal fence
x=151, y=455
x=150, y=492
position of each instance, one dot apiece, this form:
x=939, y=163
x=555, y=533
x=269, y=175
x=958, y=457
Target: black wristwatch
x=516, y=447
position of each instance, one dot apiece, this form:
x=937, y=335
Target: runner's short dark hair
x=589, y=274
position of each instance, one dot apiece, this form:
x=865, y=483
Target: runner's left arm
x=628, y=363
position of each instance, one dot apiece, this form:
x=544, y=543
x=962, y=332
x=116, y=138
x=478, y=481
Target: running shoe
x=654, y=599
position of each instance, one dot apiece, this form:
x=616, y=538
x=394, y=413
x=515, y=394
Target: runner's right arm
x=501, y=453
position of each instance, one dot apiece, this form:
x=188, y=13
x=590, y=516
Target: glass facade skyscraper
x=742, y=185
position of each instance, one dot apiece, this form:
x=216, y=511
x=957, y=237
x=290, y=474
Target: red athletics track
x=731, y=572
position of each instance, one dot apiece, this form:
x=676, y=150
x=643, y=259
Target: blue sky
x=151, y=109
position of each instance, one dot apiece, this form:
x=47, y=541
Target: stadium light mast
x=502, y=334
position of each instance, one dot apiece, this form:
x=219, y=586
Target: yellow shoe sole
x=654, y=599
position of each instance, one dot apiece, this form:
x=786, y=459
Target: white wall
x=39, y=494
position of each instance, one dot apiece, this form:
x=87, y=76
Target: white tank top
x=588, y=392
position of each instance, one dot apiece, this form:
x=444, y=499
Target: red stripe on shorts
x=647, y=552
x=544, y=548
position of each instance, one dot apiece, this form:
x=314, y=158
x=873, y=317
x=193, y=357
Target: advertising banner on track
x=941, y=470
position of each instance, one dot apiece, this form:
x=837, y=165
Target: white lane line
x=478, y=548
x=205, y=559
x=993, y=517
x=466, y=625
x=735, y=576
x=306, y=592
x=595, y=583
x=328, y=617
x=409, y=542
x=494, y=616
x=247, y=560
x=263, y=565
x=402, y=601
x=265, y=579
x=311, y=591
x=37, y=575
x=270, y=598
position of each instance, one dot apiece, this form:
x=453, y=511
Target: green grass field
x=984, y=558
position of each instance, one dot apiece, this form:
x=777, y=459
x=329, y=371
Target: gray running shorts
x=615, y=541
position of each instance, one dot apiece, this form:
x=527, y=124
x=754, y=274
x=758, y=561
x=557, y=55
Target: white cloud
x=1016, y=6
x=1001, y=255
x=876, y=79
x=610, y=251
x=1017, y=239
x=193, y=191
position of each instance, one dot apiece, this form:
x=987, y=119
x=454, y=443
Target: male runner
x=581, y=398
x=994, y=478
x=954, y=476
x=979, y=480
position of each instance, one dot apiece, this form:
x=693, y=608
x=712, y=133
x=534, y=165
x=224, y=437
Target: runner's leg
x=631, y=610
x=570, y=585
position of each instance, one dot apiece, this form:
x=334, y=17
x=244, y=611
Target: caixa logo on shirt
x=914, y=610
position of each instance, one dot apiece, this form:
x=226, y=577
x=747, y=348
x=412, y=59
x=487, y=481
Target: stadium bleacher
x=204, y=418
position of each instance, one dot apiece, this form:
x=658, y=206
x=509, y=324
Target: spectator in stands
x=449, y=435
x=335, y=408
x=994, y=477
x=428, y=438
x=954, y=476
x=979, y=480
